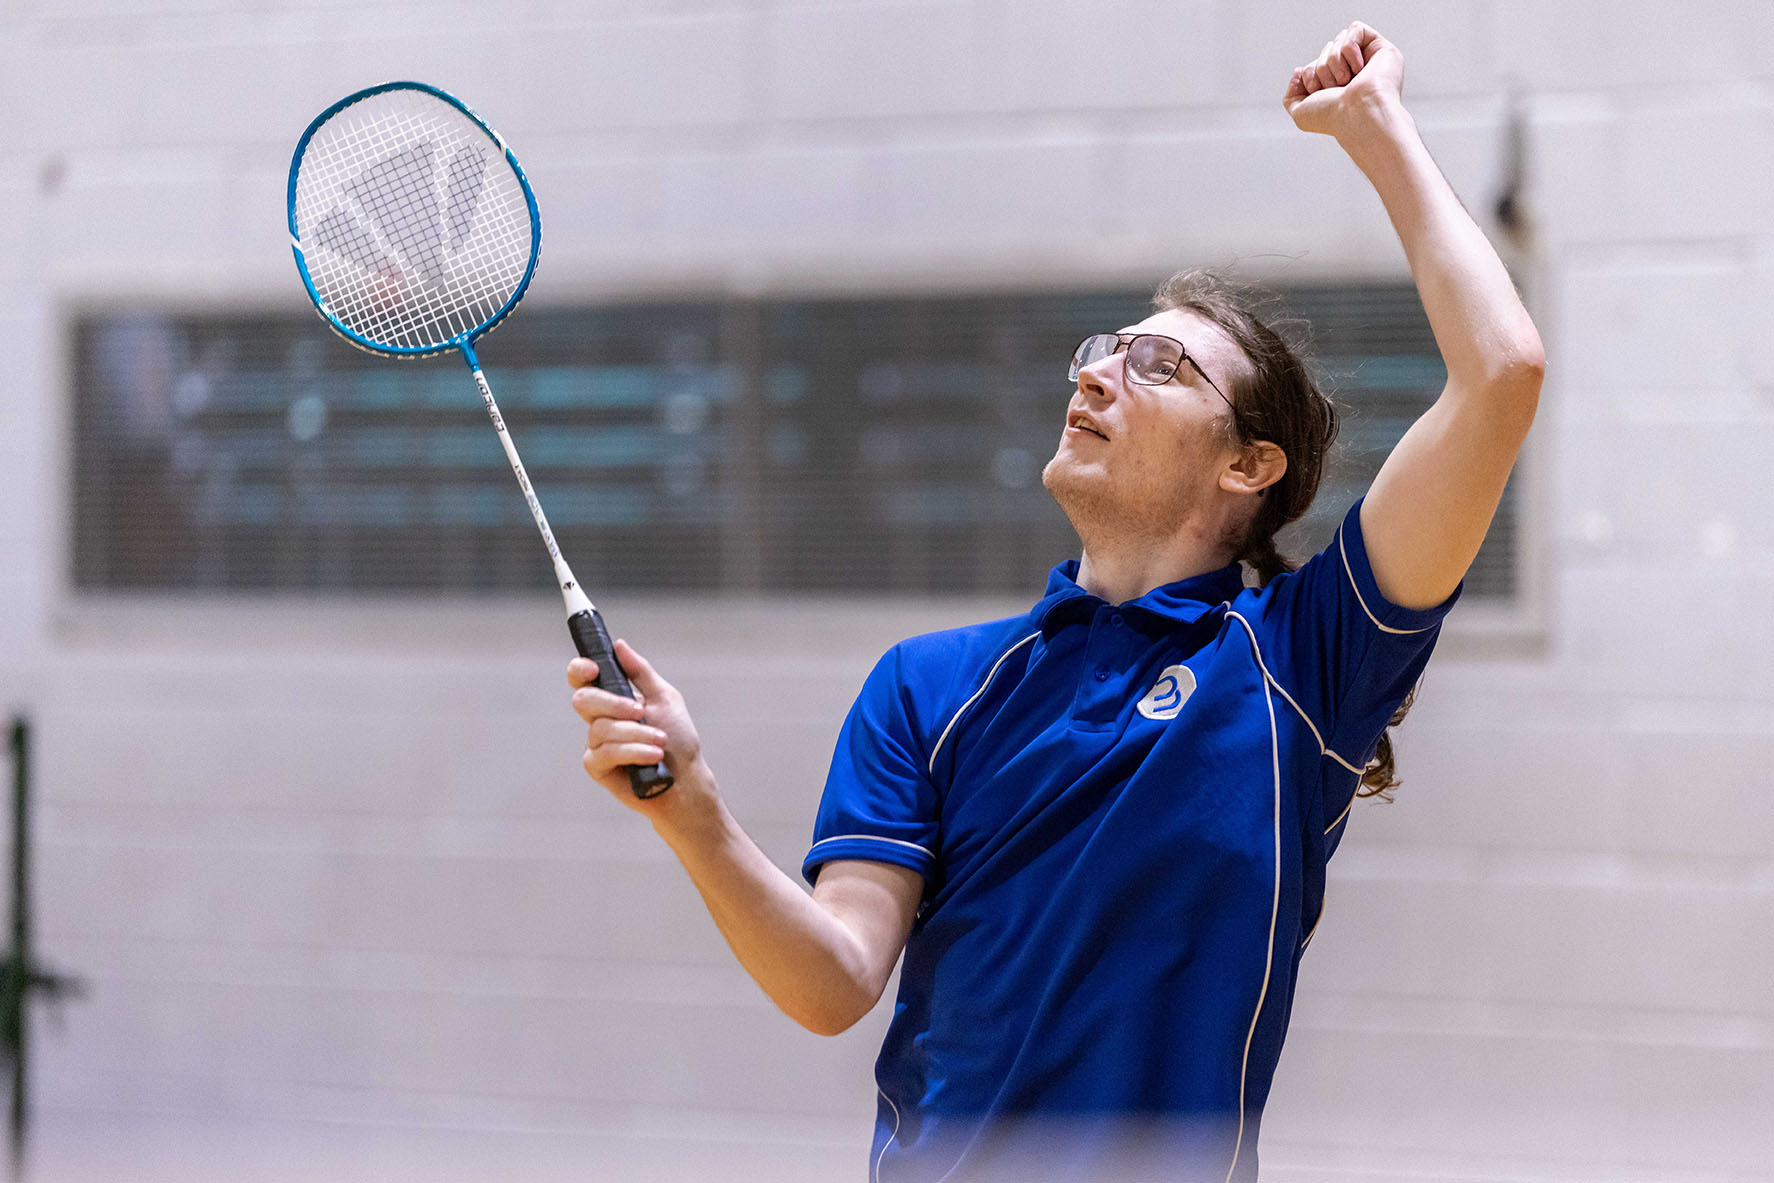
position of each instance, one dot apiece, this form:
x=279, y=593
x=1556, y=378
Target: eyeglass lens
x=1152, y=360
x=1092, y=350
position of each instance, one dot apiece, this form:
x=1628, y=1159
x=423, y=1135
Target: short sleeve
x=879, y=803
x=1345, y=652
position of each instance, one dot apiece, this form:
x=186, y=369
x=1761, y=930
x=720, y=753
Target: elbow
x=1525, y=379
x=1527, y=367
x=835, y=1014
x=1524, y=364
x=829, y=1021
x=1512, y=384
x=1518, y=368
x=826, y=1026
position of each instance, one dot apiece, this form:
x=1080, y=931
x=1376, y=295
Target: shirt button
x=1117, y=620
x=1102, y=673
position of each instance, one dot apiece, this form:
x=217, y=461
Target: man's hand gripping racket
x=624, y=732
x=416, y=232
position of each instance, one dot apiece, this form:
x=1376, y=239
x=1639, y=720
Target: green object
x=20, y=975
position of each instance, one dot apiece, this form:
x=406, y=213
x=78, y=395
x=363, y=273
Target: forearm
x=1484, y=333
x=808, y=962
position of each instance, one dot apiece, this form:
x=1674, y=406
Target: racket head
x=414, y=227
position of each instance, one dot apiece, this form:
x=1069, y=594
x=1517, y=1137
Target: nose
x=1098, y=381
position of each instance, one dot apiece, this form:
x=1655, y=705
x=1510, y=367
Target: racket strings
x=398, y=196
x=422, y=237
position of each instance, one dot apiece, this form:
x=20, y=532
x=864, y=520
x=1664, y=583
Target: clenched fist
x=1358, y=73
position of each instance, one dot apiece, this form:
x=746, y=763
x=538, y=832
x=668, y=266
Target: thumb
x=640, y=671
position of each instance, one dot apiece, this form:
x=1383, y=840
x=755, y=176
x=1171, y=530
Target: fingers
x=646, y=679
x=592, y=704
x=1349, y=53
x=614, y=743
x=618, y=731
x=1363, y=36
x=582, y=676
x=1330, y=67
x=1337, y=64
x=609, y=729
x=1315, y=75
x=603, y=760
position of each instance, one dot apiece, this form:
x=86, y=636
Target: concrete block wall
x=331, y=869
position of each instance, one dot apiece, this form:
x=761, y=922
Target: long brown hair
x=1276, y=398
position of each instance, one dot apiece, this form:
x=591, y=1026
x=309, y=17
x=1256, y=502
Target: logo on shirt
x=1168, y=694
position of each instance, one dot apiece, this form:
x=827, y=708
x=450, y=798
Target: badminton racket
x=416, y=233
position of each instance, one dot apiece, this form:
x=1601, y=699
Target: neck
x=1118, y=569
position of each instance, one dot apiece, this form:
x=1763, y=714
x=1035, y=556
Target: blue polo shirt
x=1122, y=814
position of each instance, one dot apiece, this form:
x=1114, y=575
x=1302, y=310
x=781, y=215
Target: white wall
x=331, y=870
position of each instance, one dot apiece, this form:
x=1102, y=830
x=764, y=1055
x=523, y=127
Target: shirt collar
x=1182, y=602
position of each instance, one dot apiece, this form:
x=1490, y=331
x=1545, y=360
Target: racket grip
x=593, y=641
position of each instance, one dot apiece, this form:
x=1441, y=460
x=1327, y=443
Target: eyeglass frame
x=1124, y=343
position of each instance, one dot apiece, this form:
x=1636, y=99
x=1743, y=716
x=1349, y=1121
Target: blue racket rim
x=463, y=340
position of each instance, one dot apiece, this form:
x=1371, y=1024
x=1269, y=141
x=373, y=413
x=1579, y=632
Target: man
x=1098, y=831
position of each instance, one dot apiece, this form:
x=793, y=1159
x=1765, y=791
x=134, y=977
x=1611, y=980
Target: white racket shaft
x=584, y=621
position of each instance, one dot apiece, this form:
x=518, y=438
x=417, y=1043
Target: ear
x=1254, y=469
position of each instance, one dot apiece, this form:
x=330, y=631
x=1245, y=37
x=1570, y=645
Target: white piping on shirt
x=1323, y=750
x=1402, y=632
x=1275, y=902
x=875, y=1174
x=1315, y=925
x=990, y=674
x=871, y=838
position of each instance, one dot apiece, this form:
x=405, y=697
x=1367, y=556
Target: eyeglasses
x=1152, y=359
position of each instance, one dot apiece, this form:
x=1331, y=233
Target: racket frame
x=461, y=339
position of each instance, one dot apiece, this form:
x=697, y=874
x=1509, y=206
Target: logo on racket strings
x=391, y=221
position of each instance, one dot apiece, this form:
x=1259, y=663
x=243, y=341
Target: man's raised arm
x=1434, y=498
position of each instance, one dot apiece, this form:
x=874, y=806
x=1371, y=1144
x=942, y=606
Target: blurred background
x=309, y=823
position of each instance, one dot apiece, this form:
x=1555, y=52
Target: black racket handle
x=593, y=641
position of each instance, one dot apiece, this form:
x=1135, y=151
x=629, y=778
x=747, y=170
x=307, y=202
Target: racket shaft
x=517, y=464
x=593, y=641
x=587, y=624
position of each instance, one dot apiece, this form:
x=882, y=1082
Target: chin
x=1056, y=475
x=1071, y=487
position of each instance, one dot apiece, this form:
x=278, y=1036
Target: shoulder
x=953, y=655
x=1319, y=586
x=1337, y=588
x=925, y=679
